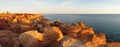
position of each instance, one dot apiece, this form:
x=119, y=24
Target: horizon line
x=55, y=13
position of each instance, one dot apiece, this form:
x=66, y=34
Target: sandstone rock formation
x=81, y=24
x=33, y=30
x=67, y=28
x=21, y=18
x=19, y=23
x=86, y=34
x=96, y=40
x=4, y=25
x=31, y=38
x=115, y=44
x=93, y=41
x=87, y=31
x=53, y=33
x=71, y=42
x=9, y=39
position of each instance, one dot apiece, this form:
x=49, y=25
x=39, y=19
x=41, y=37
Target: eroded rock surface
x=96, y=40
x=9, y=39
x=93, y=41
x=33, y=30
x=31, y=38
x=115, y=44
x=21, y=18
x=71, y=42
x=53, y=33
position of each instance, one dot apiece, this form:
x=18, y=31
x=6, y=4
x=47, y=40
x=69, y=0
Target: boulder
x=86, y=34
x=15, y=27
x=9, y=39
x=66, y=28
x=56, y=23
x=44, y=22
x=90, y=39
x=39, y=27
x=72, y=35
x=96, y=41
x=31, y=38
x=19, y=28
x=4, y=25
x=63, y=28
x=53, y=33
x=71, y=42
x=24, y=28
x=99, y=38
x=81, y=24
x=85, y=37
x=93, y=41
x=0, y=45
x=87, y=31
x=73, y=29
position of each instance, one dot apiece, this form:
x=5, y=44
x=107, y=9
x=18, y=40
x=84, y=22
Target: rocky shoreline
x=33, y=30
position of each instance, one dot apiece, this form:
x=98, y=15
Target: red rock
x=86, y=34
x=63, y=28
x=114, y=44
x=81, y=24
x=44, y=22
x=4, y=24
x=87, y=31
x=31, y=38
x=71, y=42
x=76, y=34
x=97, y=40
x=85, y=37
x=0, y=45
x=23, y=28
x=39, y=27
x=53, y=33
x=73, y=29
x=94, y=41
x=56, y=23
x=9, y=39
x=66, y=29
x=72, y=35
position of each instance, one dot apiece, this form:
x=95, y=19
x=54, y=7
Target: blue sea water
x=108, y=24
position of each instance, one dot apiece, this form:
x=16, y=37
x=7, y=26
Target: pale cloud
x=68, y=2
x=40, y=3
x=37, y=2
x=64, y=6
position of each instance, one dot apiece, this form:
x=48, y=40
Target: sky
x=61, y=6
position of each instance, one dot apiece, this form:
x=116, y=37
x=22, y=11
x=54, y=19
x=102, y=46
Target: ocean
x=109, y=24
